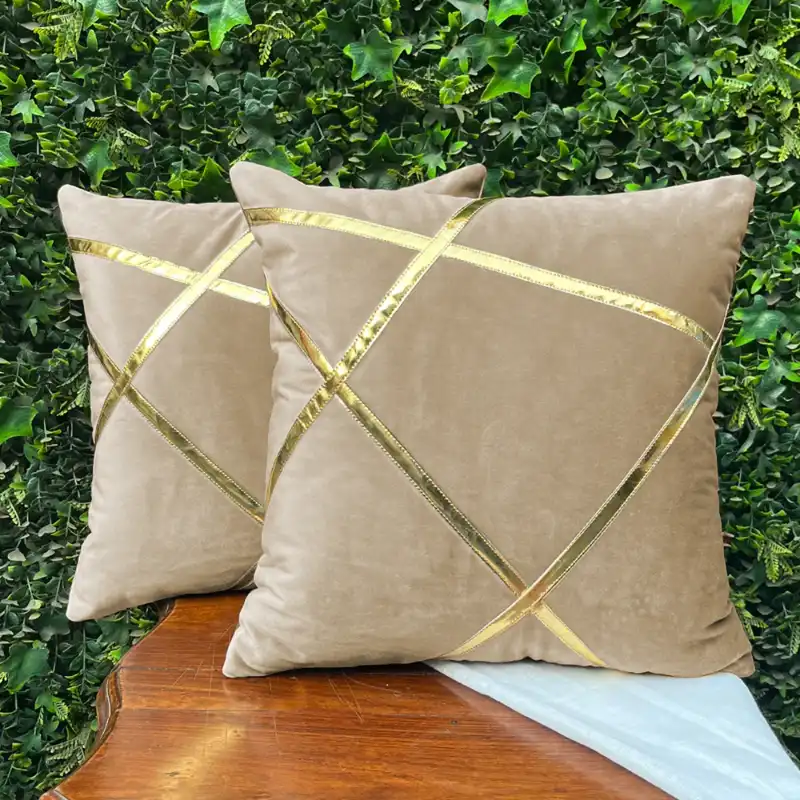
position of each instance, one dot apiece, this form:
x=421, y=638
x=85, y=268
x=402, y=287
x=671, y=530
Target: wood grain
x=173, y=728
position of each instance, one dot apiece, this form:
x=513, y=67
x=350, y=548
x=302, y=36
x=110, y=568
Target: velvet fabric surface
x=526, y=405
x=160, y=522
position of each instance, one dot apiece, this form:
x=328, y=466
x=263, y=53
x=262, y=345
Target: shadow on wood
x=171, y=727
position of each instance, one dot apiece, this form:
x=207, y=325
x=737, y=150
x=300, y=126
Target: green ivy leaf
x=28, y=109
x=492, y=42
x=222, y=16
x=598, y=18
x=212, y=184
x=699, y=9
x=22, y=664
x=7, y=158
x=97, y=161
x=512, y=73
x=15, y=418
x=758, y=321
x=471, y=10
x=375, y=56
x=501, y=10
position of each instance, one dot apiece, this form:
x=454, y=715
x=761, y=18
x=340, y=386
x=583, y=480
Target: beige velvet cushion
x=443, y=477
x=175, y=293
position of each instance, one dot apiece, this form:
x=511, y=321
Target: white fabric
x=695, y=738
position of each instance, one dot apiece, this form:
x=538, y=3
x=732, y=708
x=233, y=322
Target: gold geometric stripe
x=166, y=269
x=420, y=479
x=165, y=322
x=407, y=463
x=536, y=593
x=199, y=460
x=479, y=258
x=369, y=333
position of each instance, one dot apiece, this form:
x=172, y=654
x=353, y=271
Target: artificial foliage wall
x=157, y=98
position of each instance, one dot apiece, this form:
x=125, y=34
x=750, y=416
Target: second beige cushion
x=492, y=432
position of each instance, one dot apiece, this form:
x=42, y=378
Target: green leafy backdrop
x=157, y=98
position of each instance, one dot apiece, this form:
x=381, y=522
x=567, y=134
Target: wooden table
x=172, y=728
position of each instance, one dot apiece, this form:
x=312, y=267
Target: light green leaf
x=94, y=9
x=375, y=56
x=739, y=9
x=22, y=664
x=573, y=39
x=15, y=418
x=501, y=10
x=28, y=109
x=97, y=161
x=758, y=321
x=222, y=16
x=277, y=159
x=512, y=73
x=470, y=10
x=7, y=158
x=603, y=174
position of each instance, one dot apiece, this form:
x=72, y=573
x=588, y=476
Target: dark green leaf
x=471, y=10
x=22, y=664
x=15, y=418
x=374, y=55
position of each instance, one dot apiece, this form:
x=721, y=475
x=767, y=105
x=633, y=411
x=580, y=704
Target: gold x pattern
x=529, y=598
x=197, y=284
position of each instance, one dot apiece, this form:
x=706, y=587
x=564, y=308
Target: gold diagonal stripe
x=166, y=269
x=339, y=223
x=188, y=449
x=402, y=458
x=165, y=322
x=477, y=541
x=370, y=332
x=479, y=258
x=599, y=523
x=422, y=481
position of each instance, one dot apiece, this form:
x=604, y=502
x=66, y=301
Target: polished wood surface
x=171, y=727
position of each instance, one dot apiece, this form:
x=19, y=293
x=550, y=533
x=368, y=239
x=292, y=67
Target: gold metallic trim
x=535, y=594
x=436, y=498
x=369, y=333
x=422, y=481
x=166, y=269
x=580, y=288
x=339, y=223
x=568, y=637
x=165, y=322
x=188, y=449
x=479, y=258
